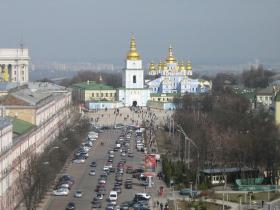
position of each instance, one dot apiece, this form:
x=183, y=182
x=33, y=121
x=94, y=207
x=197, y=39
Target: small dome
x=182, y=66
x=189, y=66
x=152, y=66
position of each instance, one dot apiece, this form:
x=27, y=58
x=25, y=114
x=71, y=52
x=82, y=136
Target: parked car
x=113, y=196
x=78, y=161
x=78, y=194
x=61, y=192
x=92, y=172
x=188, y=192
x=70, y=206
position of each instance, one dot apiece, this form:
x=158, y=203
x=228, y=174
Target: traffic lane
x=88, y=183
x=80, y=172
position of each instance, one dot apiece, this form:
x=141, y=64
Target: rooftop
x=266, y=91
x=20, y=126
x=4, y=122
x=225, y=170
x=92, y=85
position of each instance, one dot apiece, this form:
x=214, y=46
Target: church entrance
x=134, y=103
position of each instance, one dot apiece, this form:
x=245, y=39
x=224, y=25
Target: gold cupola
x=160, y=67
x=132, y=53
x=182, y=66
x=189, y=66
x=170, y=58
x=152, y=66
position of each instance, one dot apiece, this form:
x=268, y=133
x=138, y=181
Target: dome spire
x=170, y=58
x=132, y=53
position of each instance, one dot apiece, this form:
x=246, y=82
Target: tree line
x=113, y=79
x=228, y=133
x=37, y=171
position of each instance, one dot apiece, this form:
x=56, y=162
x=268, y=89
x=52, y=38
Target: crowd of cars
x=123, y=173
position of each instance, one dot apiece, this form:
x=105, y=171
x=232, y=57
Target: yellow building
x=92, y=91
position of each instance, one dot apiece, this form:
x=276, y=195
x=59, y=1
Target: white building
x=133, y=92
x=14, y=64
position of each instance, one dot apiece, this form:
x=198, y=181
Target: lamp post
x=180, y=129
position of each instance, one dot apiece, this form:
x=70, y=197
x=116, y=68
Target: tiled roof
x=12, y=101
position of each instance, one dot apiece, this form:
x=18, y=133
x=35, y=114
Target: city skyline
x=98, y=32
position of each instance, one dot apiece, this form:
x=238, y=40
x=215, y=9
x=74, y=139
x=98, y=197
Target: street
x=87, y=184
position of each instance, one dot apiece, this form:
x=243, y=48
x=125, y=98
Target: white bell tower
x=133, y=74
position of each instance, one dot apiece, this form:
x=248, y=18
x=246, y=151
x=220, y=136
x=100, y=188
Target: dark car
x=70, y=206
x=112, y=170
x=93, y=164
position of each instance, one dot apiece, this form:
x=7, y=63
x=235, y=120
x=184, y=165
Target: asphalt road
x=87, y=183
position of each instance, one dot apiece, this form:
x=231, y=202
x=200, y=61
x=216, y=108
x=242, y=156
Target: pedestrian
x=157, y=204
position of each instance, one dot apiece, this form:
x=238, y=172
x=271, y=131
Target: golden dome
x=189, y=66
x=160, y=65
x=132, y=53
x=164, y=65
x=152, y=66
x=170, y=58
x=182, y=66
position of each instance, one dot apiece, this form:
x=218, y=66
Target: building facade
x=172, y=76
x=14, y=64
x=34, y=116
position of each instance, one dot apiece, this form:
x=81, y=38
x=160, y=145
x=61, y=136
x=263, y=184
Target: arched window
x=134, y=79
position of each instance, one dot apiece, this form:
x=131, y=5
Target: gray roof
x=4, y=122
x=7, y=85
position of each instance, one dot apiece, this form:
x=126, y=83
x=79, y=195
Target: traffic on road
x=107, y=172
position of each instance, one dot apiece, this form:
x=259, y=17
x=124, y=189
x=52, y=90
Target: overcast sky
x=205, y=31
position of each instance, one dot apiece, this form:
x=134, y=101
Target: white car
x=61, y=192
x=78, y=194
x=113, y=196
x=144, y=195
x=78, y=161
x=86, y=149
x=106, y=168
x=123, y=154
x=92, y=173
x=111, y=156
x=102, y=181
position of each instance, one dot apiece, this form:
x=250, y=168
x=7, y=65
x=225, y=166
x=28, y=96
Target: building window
x=101, y=94
x=111, y=94
x=92, y=94
x=134, y=79
x=97, y=94
x=106, y=94
x=158, y=99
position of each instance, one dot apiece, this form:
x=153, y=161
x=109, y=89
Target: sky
x=205, y=31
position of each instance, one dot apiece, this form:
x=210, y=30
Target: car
x=116, y=149
x=143, y=195
x=110, y=206
x=78, y=194
x=111, y=156
x=130, y=154
x=188, y=192
x=92, y=172
x=61, y=192
x=113, y=196
x=78, y=161
x=102, y=181
x=112, y=170
x=118, y=189
x=106, y=168
x=128, y=186
x=99, y=196
x=70, y=206
x=123, y=154
x=93, y=164
x=96, y=203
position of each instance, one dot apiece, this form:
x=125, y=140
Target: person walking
x=161, y=206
